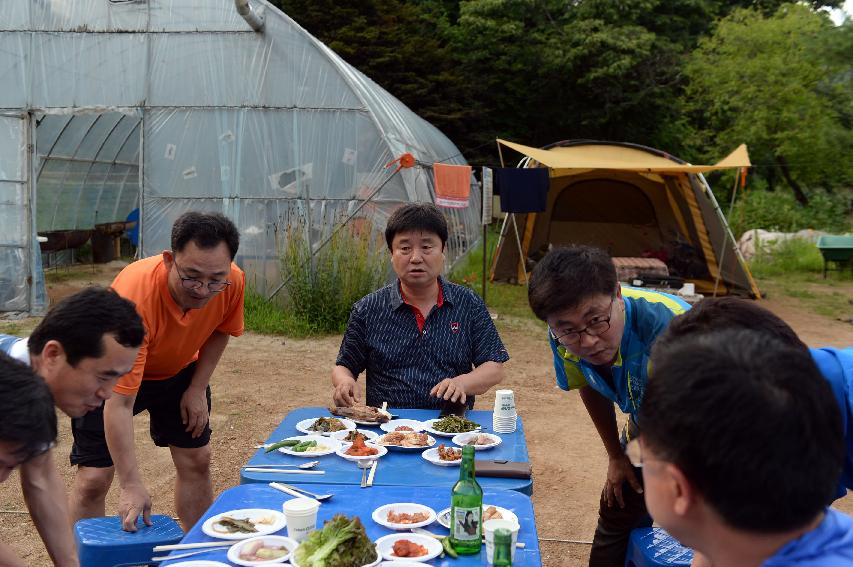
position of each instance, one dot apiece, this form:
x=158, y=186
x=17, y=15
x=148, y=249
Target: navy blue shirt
x=403, y=364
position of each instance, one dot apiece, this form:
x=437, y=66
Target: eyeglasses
x=595, y=328
x=193, y=283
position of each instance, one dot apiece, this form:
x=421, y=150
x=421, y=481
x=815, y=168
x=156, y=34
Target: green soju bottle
x=503, y=548
x=466, y=508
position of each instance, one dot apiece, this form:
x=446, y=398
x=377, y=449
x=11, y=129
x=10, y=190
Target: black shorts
x=162, y=399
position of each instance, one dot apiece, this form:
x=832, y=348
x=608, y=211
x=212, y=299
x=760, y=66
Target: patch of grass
x=790, y=256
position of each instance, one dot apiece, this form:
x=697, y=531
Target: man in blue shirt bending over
x=601, y=335
x=741, y=449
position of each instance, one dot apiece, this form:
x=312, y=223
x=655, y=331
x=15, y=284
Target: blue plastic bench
x=654, y=547
x=102, y=543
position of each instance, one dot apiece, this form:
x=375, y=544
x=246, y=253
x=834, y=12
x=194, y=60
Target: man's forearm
x=603, y=416
x=483, y=378
x=118, y=428
x=44, y=494
x=208, y=357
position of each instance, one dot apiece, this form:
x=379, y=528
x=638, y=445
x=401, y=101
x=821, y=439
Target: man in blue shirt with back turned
x=422, y=340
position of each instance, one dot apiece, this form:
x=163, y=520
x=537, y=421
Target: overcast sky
x=838, y=15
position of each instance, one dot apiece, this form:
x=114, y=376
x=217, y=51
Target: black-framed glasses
x=193, y=283
x=594, y=329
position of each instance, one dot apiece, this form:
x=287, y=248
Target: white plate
x=344, y=448
x=428, y=427
x=430, y=443
x=443, y=517
x=200, y=563
x=368, y=435
x=386, y=546
x=303, y=425
x=431, y=455
x=392, y=425
x=401, y=563
x=378, y=559
x=331, y=444
x=380, y=515
x=460, y=439
x=251, y=514
x=234, y=550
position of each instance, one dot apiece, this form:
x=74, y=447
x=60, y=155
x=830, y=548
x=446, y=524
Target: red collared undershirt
x=419, y=317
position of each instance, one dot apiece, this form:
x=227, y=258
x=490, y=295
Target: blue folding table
x=397, y=468
x=352, y=500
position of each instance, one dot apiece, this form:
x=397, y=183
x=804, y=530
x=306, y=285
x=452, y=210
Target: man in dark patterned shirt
x=422, y=340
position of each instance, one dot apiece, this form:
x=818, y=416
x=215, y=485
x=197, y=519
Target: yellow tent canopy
x=633, y=201
x=621, y=158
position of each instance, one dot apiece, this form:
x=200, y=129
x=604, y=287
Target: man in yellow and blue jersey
x=601, y=335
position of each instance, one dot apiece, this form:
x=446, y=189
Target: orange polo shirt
x=172, y=337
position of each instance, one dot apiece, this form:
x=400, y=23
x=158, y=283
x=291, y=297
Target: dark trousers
x=610, y=542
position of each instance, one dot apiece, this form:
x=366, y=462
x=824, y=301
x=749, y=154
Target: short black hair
x=729, y=312
x=207, y=230
x=416, y=216
x=27, y=409
x=750, y=422
x=80, y=321
x=566, y=276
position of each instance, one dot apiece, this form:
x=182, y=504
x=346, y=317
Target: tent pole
x=722, y=254
x=520, y=251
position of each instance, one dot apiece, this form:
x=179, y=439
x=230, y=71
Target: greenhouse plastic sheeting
x=178, y=105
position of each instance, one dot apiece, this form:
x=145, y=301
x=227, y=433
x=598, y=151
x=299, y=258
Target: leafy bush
x=321, y=290
x=787, y=257
x=779, y=211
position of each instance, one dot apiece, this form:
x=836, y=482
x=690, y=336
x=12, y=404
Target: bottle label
x=466, y=524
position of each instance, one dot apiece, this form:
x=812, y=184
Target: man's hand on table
x=345, y=394
x=619, y=470
x=450, y=389
x=133, y=501
x=194, y=410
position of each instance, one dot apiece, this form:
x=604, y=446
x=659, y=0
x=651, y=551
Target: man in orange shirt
x=191, y=300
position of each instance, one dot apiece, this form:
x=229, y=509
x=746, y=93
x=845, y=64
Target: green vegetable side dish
x=454, y=424
x=280, y=444
x=304, y=446
x=327, y=425
x=341, y=543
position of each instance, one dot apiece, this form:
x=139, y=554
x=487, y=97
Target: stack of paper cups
x=504, y=416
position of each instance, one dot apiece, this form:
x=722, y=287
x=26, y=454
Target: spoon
x=363, y=465
x=308, y=465
x=281, y=486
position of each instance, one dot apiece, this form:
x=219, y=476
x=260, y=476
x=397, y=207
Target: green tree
x=781, y=84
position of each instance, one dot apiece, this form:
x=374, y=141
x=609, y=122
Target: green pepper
x=448, y=548
x=285, y=443
x=304, y=446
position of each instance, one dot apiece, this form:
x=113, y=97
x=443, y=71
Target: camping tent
x=634, y=201
x=173, y=105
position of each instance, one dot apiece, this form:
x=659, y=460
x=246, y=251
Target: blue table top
x=353, y=500
x=397, y=468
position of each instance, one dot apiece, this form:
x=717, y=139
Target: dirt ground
x=261, y=378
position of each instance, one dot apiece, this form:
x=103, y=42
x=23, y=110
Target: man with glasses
x=601, y=336
x=191, y=301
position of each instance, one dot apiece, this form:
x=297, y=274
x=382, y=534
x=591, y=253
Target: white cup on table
x=301, y=515
x=504, y=404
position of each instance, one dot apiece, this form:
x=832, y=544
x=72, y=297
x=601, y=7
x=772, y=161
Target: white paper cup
x=504, y=403
x=489, y=527
x=688, y=289
x=301, y=515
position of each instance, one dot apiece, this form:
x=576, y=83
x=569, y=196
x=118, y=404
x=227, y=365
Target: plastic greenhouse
x=107, y=106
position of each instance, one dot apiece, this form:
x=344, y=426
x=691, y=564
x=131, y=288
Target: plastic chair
x=654, y=547
x=102, y=543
